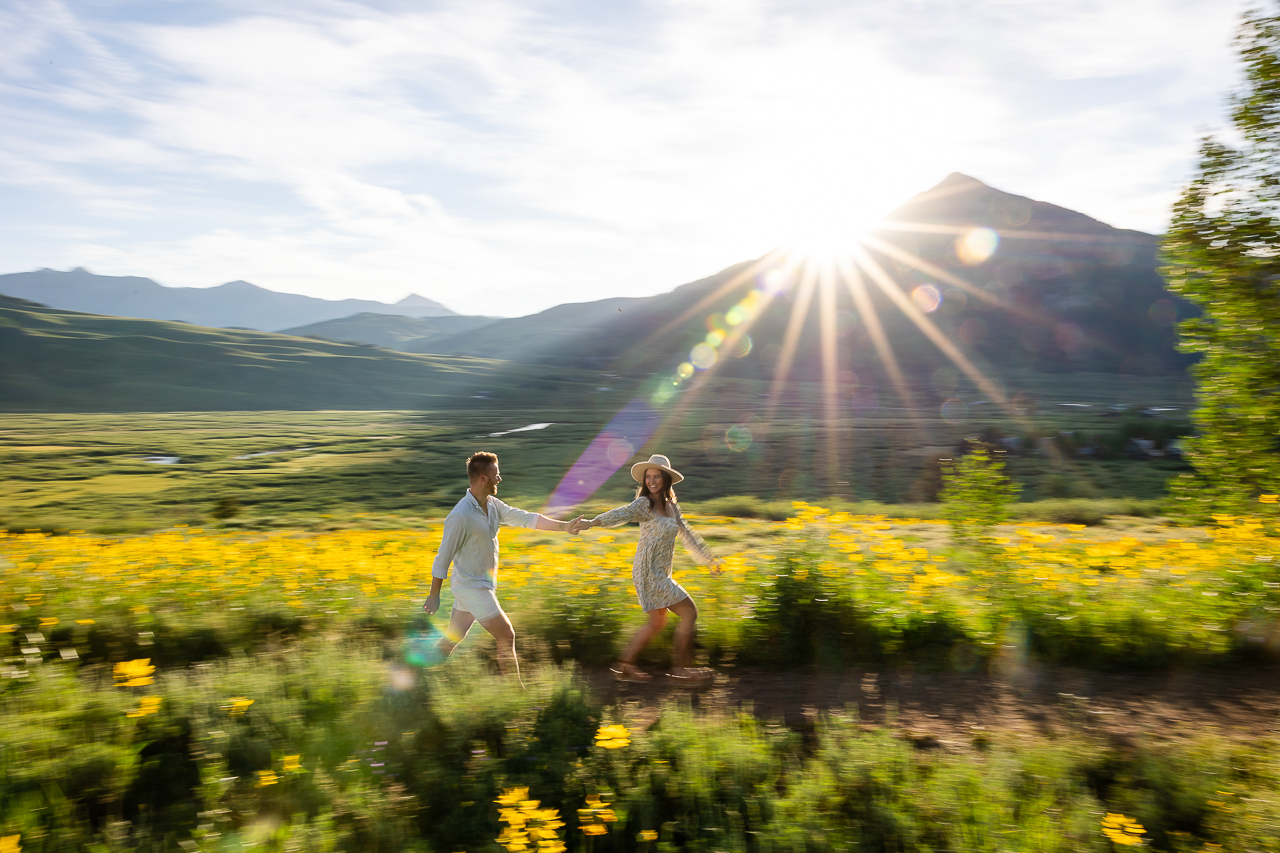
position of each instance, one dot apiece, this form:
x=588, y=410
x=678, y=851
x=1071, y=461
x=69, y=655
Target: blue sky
x=506, y=157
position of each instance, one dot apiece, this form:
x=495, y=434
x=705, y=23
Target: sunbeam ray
x=932, y=269
x=830, y=370
x=804, y=295
x=1042, y=317
x=867, y=312
x=891, y=289
x=736, y=335
x=765, y=262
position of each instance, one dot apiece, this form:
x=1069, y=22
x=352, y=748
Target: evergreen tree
x=1223, y=252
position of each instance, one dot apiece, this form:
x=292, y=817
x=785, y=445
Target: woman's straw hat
x=657, y=460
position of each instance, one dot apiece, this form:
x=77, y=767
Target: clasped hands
x=578, y=525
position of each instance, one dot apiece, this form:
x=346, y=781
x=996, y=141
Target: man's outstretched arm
x=571, y=527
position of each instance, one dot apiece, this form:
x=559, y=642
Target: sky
x=502, y=158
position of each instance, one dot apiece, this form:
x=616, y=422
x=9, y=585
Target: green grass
x=86, y=471
x=297, y=718
x=344, y=749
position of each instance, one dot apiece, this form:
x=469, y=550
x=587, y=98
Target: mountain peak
x=958, y=182
x=413, y=300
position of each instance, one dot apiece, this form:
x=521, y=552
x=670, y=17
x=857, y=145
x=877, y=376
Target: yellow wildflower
x=237, y=706
x=1122, y=830
x=513, y=796
x=613, y=737
x=149, y=705
x=9, y=844
x=528, y=823
x=647, y=835
x=292, y=764
x=265, y=778
x=596, y=814
x=134, y=673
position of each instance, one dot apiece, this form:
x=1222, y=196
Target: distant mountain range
x=236, y=304
x=63, y=361
x=1055, y=292
x=407, y=334
x=1060, y=293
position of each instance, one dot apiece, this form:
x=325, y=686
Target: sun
x=825, y=244
x=829, y=231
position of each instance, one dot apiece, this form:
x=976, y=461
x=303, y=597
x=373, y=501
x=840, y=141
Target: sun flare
x=825, y=244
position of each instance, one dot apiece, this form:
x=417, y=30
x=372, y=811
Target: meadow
x=134, y=472
x=222, y=689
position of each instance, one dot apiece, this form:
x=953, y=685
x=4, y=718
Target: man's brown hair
x=477, y=463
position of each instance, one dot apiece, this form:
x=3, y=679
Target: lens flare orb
x=685, y=370
x=954, y=411
x=738, y=438
x=422, y=647
x=775, y=282
x=977, y=246
x=619, y=451
x=703, y=357
x=927, y=298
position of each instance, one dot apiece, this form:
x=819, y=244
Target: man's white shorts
x=480, y=602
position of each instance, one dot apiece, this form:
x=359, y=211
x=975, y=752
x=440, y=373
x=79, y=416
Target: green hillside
x=54, y=360
x=407, y=334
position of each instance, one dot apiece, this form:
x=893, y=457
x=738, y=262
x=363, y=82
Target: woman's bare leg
x=682, y=645
x=651, y=628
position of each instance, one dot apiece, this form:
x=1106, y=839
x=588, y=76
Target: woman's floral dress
x=651, y=570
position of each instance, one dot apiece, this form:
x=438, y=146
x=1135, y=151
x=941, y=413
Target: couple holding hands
x=470, y=543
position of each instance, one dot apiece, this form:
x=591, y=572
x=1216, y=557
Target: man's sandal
x=624, y=671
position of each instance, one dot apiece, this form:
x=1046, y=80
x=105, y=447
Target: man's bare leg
x=505, y=636
x=459, y=624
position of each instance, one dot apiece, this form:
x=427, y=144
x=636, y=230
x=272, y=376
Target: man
x=470, y=542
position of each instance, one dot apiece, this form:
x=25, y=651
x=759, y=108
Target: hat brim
x=638, y=469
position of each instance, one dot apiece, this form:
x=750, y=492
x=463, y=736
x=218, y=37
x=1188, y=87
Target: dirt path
x=953, y=710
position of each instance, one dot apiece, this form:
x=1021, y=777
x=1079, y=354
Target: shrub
x=976, y=495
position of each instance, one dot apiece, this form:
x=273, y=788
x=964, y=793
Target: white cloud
x=503, y=158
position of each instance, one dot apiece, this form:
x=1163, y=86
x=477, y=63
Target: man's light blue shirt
x=470, y=540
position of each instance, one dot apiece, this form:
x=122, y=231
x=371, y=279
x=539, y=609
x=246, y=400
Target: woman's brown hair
x=665, y=496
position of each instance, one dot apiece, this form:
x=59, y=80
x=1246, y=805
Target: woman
x=658, y=514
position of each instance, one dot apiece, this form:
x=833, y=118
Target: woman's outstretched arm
x=634, y=511
x=696, y=546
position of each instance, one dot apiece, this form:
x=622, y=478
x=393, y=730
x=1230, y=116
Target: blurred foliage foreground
x=223, y=691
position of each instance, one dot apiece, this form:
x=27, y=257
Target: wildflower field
x=226, y=690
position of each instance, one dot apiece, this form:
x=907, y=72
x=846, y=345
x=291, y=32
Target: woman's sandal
x=624, y=671
x=699, y=677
